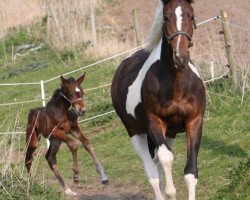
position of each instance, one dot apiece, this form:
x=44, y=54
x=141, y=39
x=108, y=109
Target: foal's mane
x=57, y=95
x=155, y=32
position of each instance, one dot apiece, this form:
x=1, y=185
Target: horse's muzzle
x=81, y=112
x=181, y=61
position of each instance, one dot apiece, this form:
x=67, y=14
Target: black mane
x=55, y=98
x=56, y=95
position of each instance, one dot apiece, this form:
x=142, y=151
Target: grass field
x=223, y=160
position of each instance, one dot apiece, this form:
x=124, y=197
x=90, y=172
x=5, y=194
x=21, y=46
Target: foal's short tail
x=31, y=138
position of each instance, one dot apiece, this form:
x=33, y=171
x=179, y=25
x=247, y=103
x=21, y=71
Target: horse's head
x=179, y=21
x=72, y=91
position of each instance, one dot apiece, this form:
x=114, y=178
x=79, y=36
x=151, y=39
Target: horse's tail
x=31, y=129
x=32, y=137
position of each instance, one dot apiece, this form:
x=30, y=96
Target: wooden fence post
x=229, y=49
x=138, y=35
x=93, y=24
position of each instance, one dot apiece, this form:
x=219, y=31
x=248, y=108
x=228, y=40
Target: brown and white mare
x=57, y=121
x=157, y=92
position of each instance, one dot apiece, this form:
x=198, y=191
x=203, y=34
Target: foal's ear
x=81, y=78
x=63, y=80
x=166, y=1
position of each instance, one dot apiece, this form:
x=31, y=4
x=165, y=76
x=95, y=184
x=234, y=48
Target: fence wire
x=105, y=85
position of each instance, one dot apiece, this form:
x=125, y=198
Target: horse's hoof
x=105, y=182
x=76, y=179
x=70, y=192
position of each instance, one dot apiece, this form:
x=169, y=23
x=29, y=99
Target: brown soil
x=112, y=191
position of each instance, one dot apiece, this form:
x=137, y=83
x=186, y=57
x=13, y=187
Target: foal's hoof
x=70, y=192
x=105, y=182
x=76, y=180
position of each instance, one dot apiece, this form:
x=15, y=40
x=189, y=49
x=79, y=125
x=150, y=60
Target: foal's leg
x=51, y=158
x=32, y=144
x=194, y=131
x=140, y=144
x=59, y=134
x=157, y=130
x=78, y=133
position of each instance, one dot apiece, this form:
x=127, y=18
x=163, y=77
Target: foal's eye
x=192, y=18
x=165, y=18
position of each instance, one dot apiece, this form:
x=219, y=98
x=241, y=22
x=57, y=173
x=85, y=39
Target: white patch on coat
x=77, y=89
x=134, y=90
x=166, y=159
x=193, y=68
x=140, y=145
x=191, y=182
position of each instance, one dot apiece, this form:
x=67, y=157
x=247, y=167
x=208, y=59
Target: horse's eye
x=192, y=18
x=70, y=95
x=165, y=19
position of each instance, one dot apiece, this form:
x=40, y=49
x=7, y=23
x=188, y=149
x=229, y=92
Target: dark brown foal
x=56, y=121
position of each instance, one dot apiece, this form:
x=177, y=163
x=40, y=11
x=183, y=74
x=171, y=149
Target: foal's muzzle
x=81, y=112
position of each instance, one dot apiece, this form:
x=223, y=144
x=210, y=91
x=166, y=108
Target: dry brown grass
x=69, y=25
x=68, y=22
x=15, y=13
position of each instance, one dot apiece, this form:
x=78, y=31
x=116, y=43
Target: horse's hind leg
x=77, y=132
x=31, y=145
x=51, y=158
x=141, y=147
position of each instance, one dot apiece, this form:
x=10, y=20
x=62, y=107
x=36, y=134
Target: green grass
x=224, y=154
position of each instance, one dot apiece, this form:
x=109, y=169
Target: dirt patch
x=112, y=191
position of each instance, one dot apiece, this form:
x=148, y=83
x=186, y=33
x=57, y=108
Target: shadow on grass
x=220, y=147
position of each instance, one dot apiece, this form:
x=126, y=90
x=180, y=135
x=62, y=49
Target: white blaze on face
x=77, y=89
x=134, y=90
x=178, y=13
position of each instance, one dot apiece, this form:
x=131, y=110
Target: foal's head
x=72, y=91
x=178, y=16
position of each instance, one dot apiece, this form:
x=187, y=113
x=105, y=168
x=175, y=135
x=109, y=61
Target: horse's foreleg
x=157, y=130
x=51, y=158
x=194, y=131
x=89, y=148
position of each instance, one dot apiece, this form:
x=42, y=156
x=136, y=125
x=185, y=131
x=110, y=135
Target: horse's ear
x=81, y=78
x=63, y=80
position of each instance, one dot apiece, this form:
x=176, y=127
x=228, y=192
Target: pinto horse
x=157, y=92
x=56, y=121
